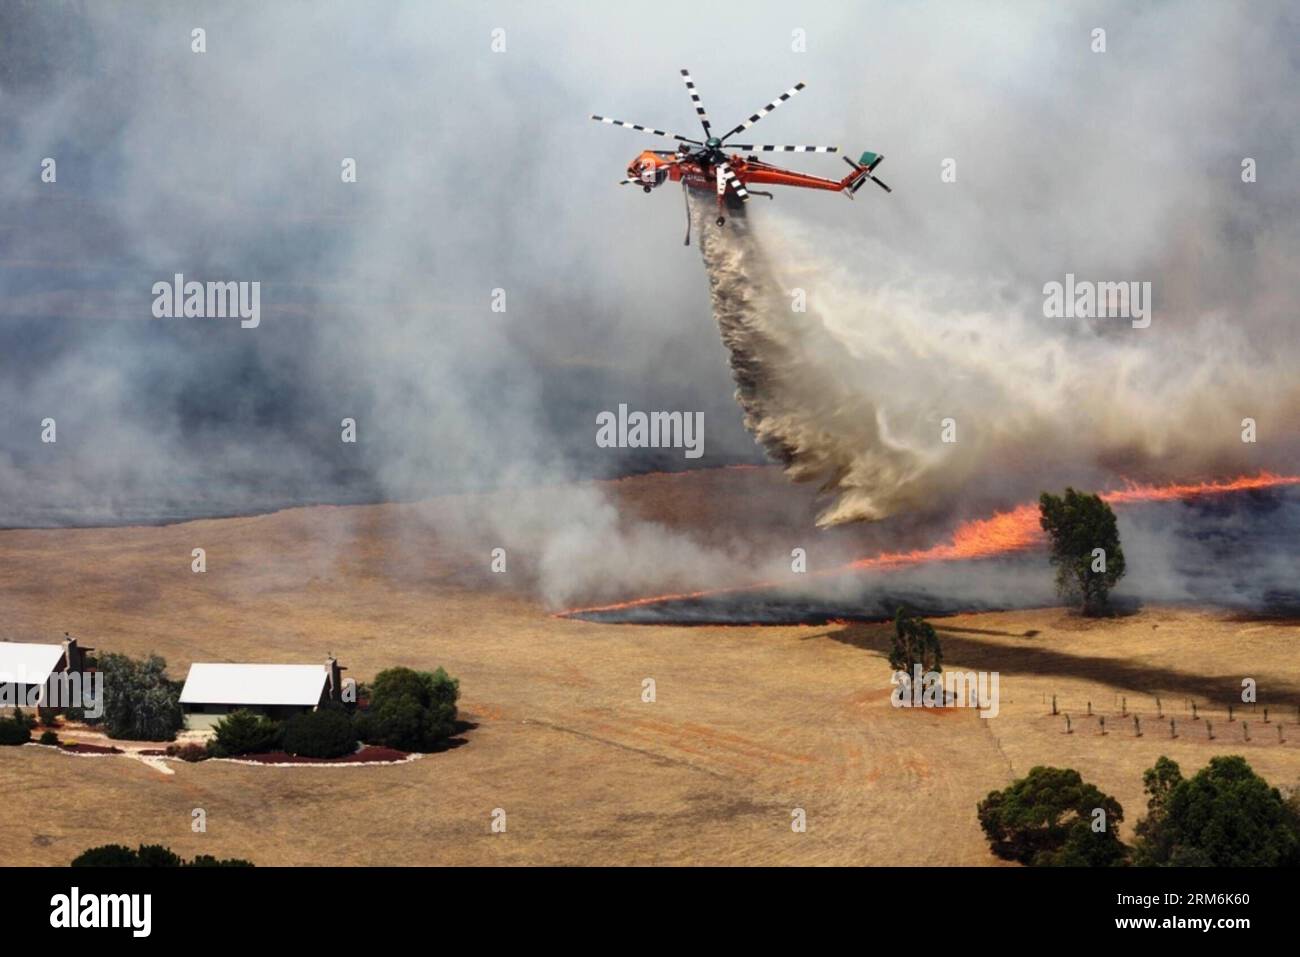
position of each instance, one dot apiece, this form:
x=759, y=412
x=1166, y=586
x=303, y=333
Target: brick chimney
x=74, y=656
x=334, y=683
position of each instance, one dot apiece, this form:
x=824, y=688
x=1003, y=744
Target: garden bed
x=367, y=755
x=80, y=747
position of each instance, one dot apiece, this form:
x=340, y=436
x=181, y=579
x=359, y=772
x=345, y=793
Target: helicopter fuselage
x=653, y=168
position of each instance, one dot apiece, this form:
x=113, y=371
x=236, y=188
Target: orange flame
x=1004, y=532
x=1163, y=493
x=1001, y=534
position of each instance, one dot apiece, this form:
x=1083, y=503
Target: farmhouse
x=30, y=673
x=279, y=691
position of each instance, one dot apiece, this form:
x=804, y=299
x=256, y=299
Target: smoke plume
x=857, y=391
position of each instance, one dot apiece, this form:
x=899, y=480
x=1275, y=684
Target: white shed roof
x=254, y=684
x=26, y=663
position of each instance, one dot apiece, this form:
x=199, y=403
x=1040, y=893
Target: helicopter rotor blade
x=699, y=104
x=784, y=149
x=732, y=180
x=767, y=109
x=644, y=129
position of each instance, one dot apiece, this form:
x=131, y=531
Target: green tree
x=410, y=710
x=244, y=732
x=156, y=855
x=1046, y=819
x=1152, y=842
x=1078, y=525
x=1291, y=796
x=107, y=855
x=326, y=733
x=148, y=855
x=915, y=643
x=140, y=702
x=1225, y=815
x=207, y=860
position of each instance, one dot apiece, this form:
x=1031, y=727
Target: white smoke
x=855, y=392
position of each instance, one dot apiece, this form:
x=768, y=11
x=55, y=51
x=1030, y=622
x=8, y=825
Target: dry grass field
x=749, y=722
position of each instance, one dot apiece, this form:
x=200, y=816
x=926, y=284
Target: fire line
x=1002, y=533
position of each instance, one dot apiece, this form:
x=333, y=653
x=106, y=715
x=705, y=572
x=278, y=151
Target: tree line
x=1225, y=815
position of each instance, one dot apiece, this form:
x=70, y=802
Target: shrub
x=49, y=737
x=410, y=710
x=14, y=730
x=243, y=732
x=327, y=733
x=1047, y=818
x=188, y=752
x=140, y=702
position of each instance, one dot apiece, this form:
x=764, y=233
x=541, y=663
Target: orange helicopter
x=702, y=164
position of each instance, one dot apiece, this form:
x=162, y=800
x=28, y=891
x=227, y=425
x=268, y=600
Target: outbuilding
x=215, y=689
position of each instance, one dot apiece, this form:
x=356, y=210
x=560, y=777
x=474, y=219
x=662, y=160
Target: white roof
x=254, y=684
x=25, y=663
